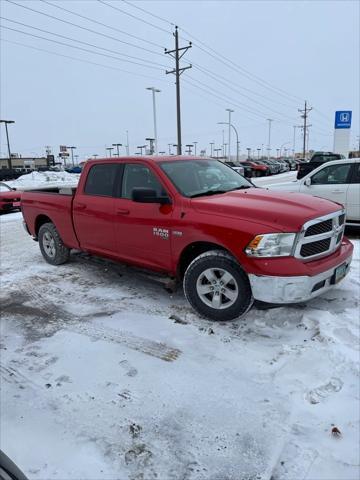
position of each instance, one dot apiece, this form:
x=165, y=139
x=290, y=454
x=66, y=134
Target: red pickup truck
x=199, y=221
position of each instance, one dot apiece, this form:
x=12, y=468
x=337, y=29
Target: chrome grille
x=318, y=228
x=321, y=236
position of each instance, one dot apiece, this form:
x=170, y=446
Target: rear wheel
x=217, y=287
x=51, y=245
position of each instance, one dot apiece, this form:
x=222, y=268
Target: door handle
x=81, y=206
x=122, y=211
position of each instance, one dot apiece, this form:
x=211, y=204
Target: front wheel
x=51, y=245
x=217, y=287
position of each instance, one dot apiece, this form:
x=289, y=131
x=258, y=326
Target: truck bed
x=50, y=204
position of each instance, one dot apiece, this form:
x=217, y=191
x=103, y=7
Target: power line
x=84, y=28
x=134, y=16
x=219, y=57
x=83, y=43
x=78, y=48
x=149, y=13
x=83, y=61
x=103, y=24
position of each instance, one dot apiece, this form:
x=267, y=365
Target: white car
x=240, y=170
x=338, y=181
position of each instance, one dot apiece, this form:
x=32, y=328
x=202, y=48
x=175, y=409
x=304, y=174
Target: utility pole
x=154, y=90
x=269, y=137
x=178, y=71
x=141, y=149
x=305, y=113
x=7, y=138
x=189, y=147
x=110, y=150
x=229, y=151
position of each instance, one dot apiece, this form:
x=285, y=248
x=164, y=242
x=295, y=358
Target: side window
x=101, y=180
x=332, y=175
x=136, y=175
x=356, y=173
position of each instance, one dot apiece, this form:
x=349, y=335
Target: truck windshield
x=195, y=178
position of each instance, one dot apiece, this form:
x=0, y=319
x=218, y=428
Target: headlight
x=271, y=245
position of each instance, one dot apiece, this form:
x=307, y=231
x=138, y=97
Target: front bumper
x=271, y=289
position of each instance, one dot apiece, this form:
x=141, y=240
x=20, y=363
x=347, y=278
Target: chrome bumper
x=294, y=289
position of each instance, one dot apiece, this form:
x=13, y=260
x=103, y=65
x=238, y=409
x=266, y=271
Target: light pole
x=262, y=150
x=217, y=150
x=141, y=149
x=190, y=146
x=154, y=90
x=258, y=150
x=72, y=155
x=269, y=137
x=169, y=145
x=283, y=145
x=95, y=155
x=212, y=149
x=76, y=159
x=7, y=138
x=151, y=141
x=127, y=143
x=229, y=151
x=117, y=145
x=249, y=152
x=237, y=139
x=195, y=143
x=110, y=150
x=277, y=152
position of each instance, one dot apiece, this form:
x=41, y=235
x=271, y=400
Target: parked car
x=338, y=181
x=291, y=162
x=226, y=240
x=257, y=170
x=239, y=170
x=266, y=171
x=272, y=167
x=12, y=173
x=9, y=198
x=317, y=159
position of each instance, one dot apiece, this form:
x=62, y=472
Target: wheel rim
x=217, y=288
x=49, y=245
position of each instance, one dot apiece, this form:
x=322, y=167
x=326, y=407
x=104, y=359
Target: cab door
x=94, y=209
x=143, y=230
x=331, y=182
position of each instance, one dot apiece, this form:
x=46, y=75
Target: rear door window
x=355, y=178
x=332, y=175
x=101, y=180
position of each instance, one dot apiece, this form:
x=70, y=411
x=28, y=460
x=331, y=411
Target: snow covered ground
x=106, y=375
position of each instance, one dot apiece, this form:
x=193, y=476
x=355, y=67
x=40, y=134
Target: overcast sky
x=270, y=57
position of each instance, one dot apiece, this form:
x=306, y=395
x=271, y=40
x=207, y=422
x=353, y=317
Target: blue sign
x=343, y=119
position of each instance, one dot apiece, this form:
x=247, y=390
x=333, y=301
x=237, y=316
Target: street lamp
x=141, y=149
x=230, y=112
x=151, y=141
x=249, y=152
x=195, y=144
x=169, y=145
x=237, y=139
x=283, y=145
x=95, y=155
x=117, y=145
x=7, y=122
x=212, y=149
x=110, y=150
x=217, y=150
x=269, y=137
x=72, y=155
x=258, y=150
x=190, y=146
x=154, y=90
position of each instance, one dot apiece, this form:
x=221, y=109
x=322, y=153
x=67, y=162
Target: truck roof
x=153, y=158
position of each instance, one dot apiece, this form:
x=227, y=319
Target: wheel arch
x=39, y=221
x=193, y=250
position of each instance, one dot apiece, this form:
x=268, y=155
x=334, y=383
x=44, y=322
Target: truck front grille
x=321, y=236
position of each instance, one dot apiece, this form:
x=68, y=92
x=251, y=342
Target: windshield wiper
x=214, y=192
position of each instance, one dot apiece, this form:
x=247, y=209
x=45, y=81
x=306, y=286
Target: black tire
x=239, y=285
x=57, y=254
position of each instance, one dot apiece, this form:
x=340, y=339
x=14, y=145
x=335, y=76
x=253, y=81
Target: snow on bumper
x=295, y=289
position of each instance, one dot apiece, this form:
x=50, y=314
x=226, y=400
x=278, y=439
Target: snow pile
x=44, y=179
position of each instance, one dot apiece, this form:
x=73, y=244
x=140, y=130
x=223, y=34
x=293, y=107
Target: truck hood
x=282, y=211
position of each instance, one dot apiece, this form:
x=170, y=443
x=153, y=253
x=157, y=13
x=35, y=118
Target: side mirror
x=13, y=189
x=148, y=195
x=307, y=182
